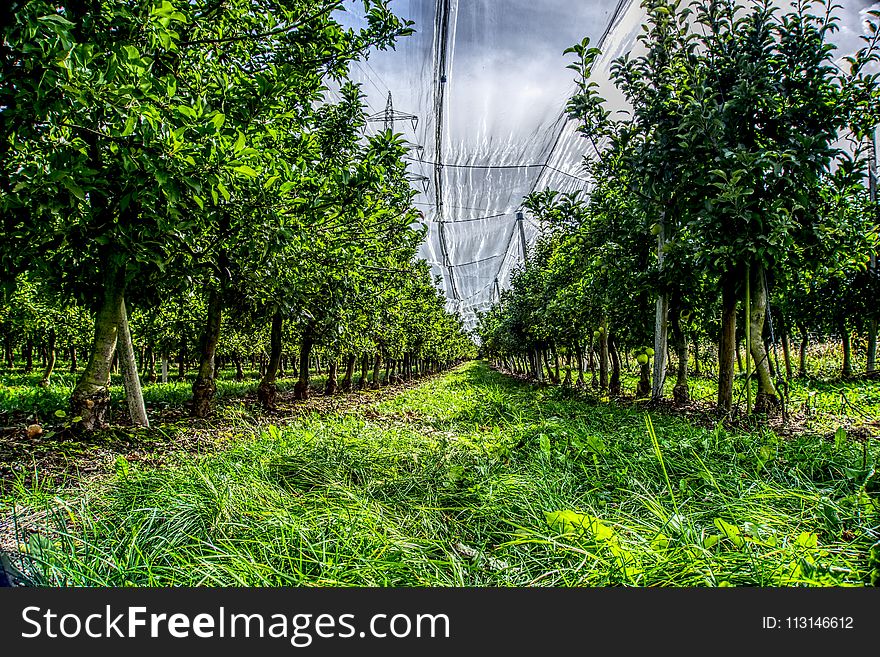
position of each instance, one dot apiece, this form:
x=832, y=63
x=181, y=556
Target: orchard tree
x=123, y=106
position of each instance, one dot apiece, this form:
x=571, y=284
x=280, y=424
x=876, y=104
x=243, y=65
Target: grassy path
x=475, y=479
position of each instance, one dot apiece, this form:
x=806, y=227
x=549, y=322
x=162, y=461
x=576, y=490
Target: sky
x=499, y=91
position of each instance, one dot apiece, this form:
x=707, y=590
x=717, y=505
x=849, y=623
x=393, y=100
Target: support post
x=748, y=340
x=134, y=396
x=522, y=234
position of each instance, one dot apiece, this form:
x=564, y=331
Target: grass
x=474, y=479
x=21, y=394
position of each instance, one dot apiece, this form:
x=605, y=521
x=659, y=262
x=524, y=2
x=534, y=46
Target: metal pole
x=661, y=320
x=872, y=190
x=522, y=234
x=748, y=340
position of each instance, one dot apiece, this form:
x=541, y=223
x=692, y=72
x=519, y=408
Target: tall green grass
x=473, y=479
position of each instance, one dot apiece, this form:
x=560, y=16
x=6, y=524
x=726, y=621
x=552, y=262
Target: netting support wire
x=471, y=263
x=497, y=296
x=496, y=167
x=441, y=30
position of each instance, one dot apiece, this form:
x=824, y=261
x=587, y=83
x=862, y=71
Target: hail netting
x=487, y=82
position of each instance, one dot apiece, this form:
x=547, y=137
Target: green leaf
x=730, y=532
x=246, y=170
x=571, y=522
x=74, y=189
x=711, y=540
x=60, y=413
x=807, y=540
x=218, y=120
x=129, y=125
x=185, y=110
x=55, y=18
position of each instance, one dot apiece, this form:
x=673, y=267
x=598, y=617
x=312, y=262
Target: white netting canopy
x=480, y=92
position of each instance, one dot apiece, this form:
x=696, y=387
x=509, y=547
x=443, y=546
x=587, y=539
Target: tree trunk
x=579, y=352
x=50, y=360
x=846, y=369
x=181, y=359
x=377, y=367
x=594, y=382
x=566, y=382
x=603, y=356
x=205, y=386
x=134, y=396
x=301, y=390
x=267, y=391
x=786, y=352
x=74, y=363
x=365, y=367
x=90, y=400
x=29, y=356
x=643, y=388
x=802, y=355
x=332, y=384
x=151, y=362
x=767, y=400
x=727, y=343
x=768, y=349
x=239, y=371
x=8, y=354
x=545, y=359
x=164, y=368
x=680, y=393
x=697, y=366
x=614, y=382
x=872, y=347
x=347, y=379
